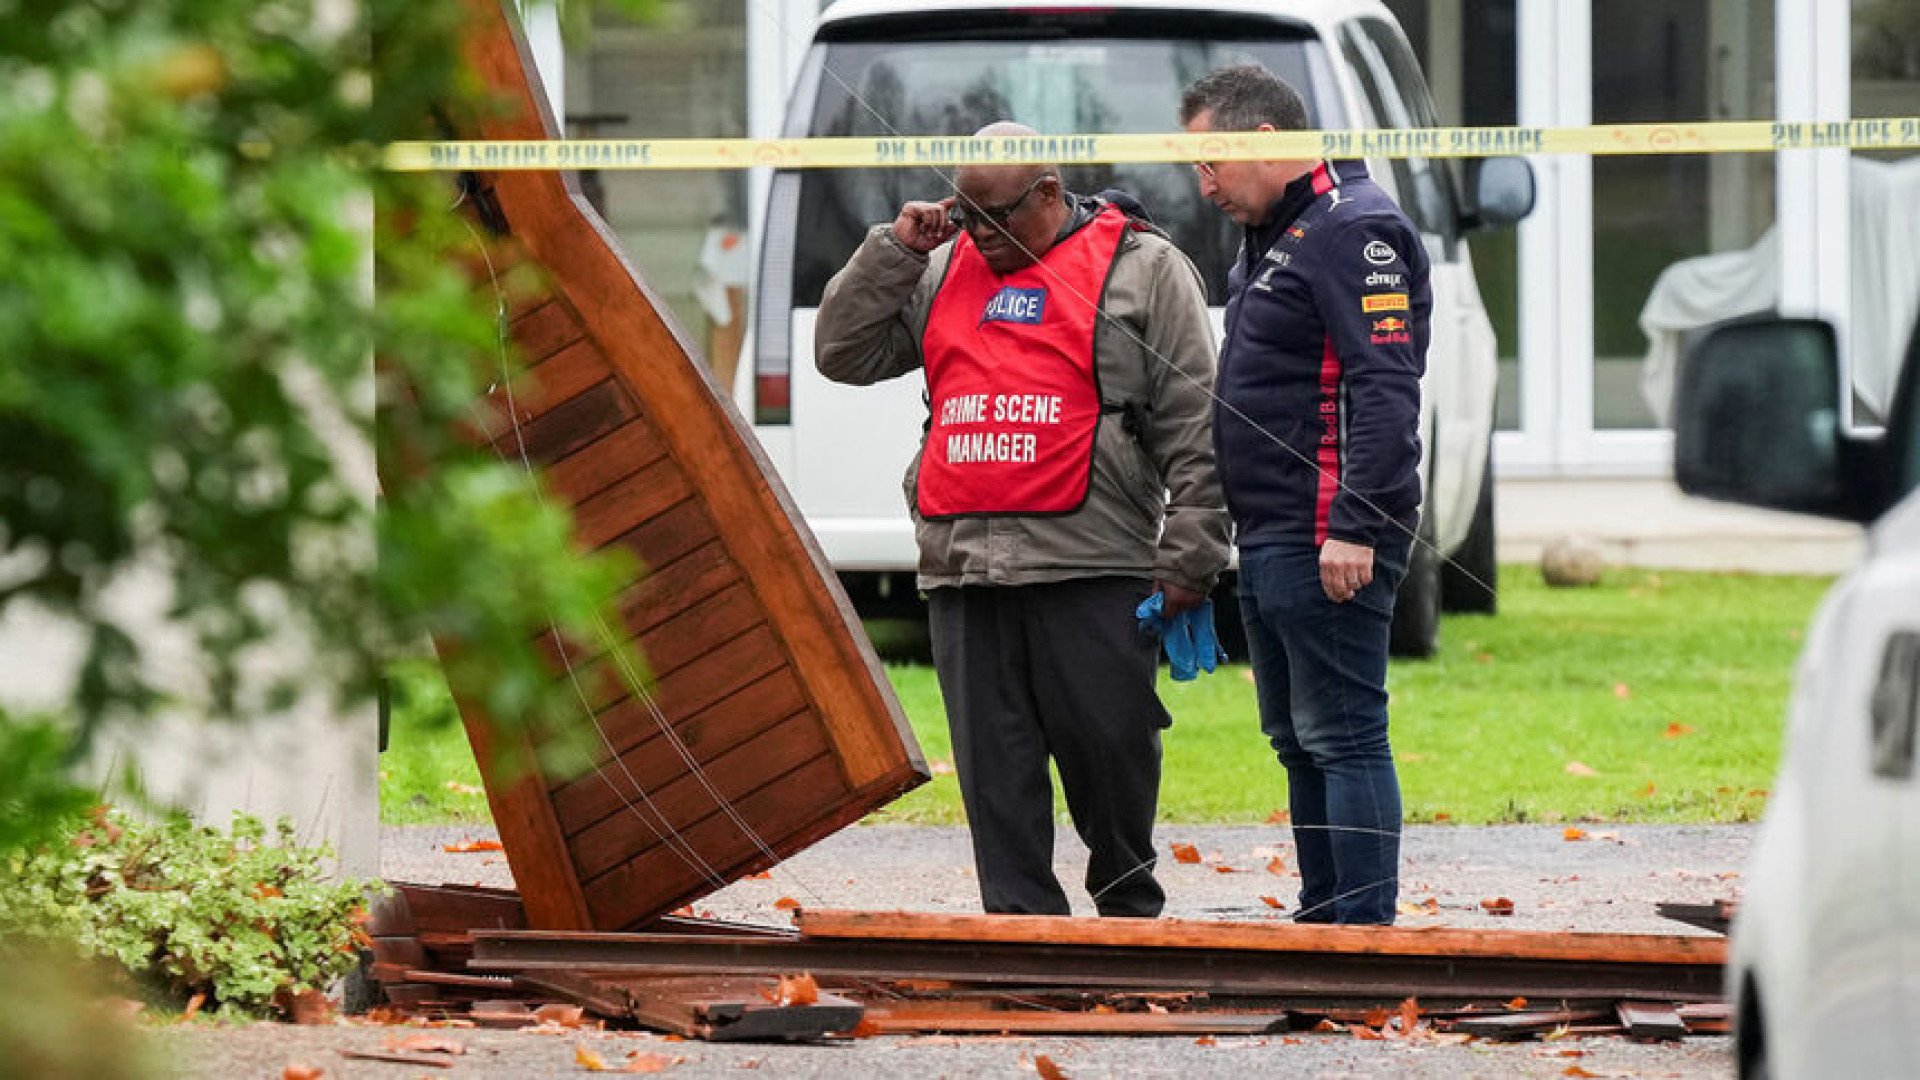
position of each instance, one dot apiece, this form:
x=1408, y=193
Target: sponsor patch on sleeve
x=1391, y=301
x=1380, y=253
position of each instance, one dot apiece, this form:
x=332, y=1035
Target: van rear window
x=1108, y=75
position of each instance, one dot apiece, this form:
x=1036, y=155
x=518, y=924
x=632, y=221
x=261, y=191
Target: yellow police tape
x=940, y=151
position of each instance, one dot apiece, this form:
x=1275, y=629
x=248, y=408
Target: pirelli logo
x=1390, y=301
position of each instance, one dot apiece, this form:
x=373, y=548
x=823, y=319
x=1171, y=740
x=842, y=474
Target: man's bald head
x=1020, y=174
x=1013, y=212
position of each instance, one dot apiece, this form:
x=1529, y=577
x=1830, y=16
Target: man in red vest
x=1066, y=475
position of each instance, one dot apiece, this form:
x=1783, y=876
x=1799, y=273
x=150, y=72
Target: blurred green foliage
x=188, y=324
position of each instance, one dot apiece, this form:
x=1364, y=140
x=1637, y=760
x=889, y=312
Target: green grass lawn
x=1652, y=697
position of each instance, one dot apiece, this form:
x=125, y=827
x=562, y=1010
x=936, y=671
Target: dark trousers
x=1058, y=671
x=1320, y=672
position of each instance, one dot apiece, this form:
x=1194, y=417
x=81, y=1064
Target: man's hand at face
x=923, y=226
x=1345, y=569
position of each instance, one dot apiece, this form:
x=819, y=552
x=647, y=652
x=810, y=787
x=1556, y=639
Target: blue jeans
x=1320, y=670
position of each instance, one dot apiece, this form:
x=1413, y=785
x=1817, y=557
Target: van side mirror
x=1503, y=192
x=1757, y=419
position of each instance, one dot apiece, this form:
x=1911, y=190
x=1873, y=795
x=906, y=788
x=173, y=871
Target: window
x=1122, y=73
x=1397, y=95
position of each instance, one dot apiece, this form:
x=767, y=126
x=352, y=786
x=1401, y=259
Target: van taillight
x=772, y=398
x=773, y=314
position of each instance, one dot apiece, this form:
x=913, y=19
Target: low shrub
x=188, y=909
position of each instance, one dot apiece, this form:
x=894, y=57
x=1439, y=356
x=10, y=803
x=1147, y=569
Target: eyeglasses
x=970, y=219
x=1206, y=171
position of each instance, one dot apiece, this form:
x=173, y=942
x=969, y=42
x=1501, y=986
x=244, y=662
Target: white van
x=886, y=67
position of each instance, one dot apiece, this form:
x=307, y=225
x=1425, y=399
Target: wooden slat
x=625, y=451
x=459, y=908
x=1265, y=937
x=965, y=1018
x=618, y=898
x=546, y=330
x=559, y=432
x=706, y=735
x=670, y=535
x=631, y=503
x=562, y=377
x=688, y=799
x=675, y=587
x=624, y=720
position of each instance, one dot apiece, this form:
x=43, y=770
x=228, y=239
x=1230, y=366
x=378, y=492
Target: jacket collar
x=1298, y=195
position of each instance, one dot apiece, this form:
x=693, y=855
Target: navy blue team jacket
x=1328, y=317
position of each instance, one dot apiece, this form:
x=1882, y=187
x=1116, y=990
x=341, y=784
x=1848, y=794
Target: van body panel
x=847, y=448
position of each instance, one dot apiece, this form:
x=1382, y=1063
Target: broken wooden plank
x=1650, y=1020
x=1262, y=937
x=651, y=458
x=1521, y=1023
x=1372, y=976
x=1716, y=916
x=957, y=1018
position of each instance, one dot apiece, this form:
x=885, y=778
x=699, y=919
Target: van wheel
x=1470, y=581
x=1416, y=609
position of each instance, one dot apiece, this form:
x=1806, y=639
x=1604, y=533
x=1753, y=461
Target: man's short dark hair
x=1243, y=97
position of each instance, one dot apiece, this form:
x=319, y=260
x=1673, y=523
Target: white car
x=1824, y=968
x=890, y=67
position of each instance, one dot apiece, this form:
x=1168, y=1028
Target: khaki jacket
x=1153, y=348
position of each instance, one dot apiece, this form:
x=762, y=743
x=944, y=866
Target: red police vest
x=1011, y=378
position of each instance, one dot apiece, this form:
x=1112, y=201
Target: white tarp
x=1699, y=292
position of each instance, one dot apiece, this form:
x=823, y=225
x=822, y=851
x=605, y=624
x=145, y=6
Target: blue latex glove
x=1192, y=646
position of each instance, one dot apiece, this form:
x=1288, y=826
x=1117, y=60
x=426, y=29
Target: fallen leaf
x=1576, y=768
x=1273, y=903
x=302, y=1072
x=1677, y=729
x=571, y=1016
x=1375, y=1017
x=424, y=1044
x=1622, y=691
x=641, y=1061
x=1575, y=1070
x=1044, y=1065
x=1517, y=1004
x=1409, y=1015
x=786, y=903
x=1186, y=853
x=1276, y=865
x=589, y=1060
x=1483, y=658
x=1206, y=1040
x=459, y=788
x=1758, y=793
x=193, y=1007
x=466, y=846
x=1647, y=792
x=761, y=876
x=1570, y=1052
x=1571, y=833
x=1223, y=868
x=793, y=990
x=1326, y=1025
x=1440, y=816
x=1499, y=905
x=867, y=1028
x=1362, y=1031
x=1280, y=817
x=684, y=911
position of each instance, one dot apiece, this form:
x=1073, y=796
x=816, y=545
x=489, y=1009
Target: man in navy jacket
x=1316, y=431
